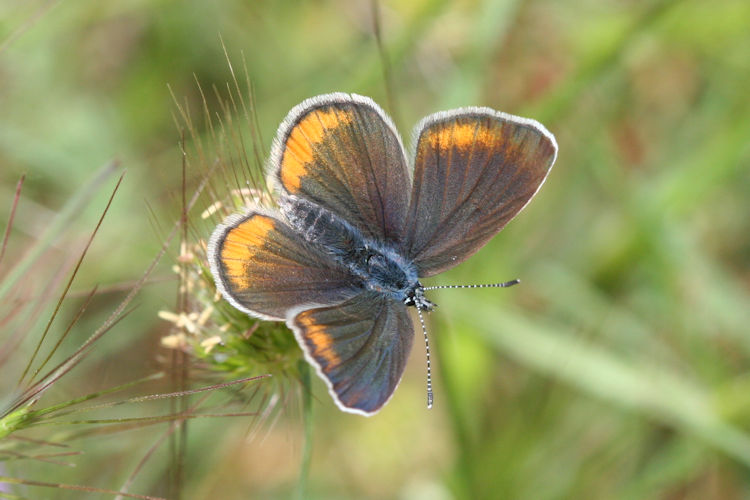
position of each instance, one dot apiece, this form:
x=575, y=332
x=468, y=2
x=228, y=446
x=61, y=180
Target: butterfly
x=358, y=224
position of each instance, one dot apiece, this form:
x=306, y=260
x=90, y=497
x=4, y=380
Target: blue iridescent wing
x=359, y=348
x=474, y=170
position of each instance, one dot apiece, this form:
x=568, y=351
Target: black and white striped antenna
x=484, y=285
x=424, y=328
x=427, y=352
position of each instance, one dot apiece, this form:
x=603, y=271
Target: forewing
x=342, y=152
x=359, y=348
x=474, y=170
x=264, y=268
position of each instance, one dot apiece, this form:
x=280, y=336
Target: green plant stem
x=307, y=413
x=457, y=419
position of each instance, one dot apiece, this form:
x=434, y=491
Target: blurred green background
x=619, y=368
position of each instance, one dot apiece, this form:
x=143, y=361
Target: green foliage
x=618, y=368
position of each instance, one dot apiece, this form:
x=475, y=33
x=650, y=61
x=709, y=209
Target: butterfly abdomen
x=379, y=267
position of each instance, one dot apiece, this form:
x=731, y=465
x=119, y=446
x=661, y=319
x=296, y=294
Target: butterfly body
x=376, y=265
x=358, y=226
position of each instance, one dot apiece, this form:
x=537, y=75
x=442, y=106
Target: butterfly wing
x=264, y=268
x=359, y=348
x=343, y=153
x=474, y=170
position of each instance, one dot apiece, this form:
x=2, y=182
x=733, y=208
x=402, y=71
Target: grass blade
x=61, y=222
x=654, y=392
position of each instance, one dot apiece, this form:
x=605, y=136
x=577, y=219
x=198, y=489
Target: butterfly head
x=415, y=297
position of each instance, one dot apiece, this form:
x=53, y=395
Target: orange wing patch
x=461, y=136
x=309, y=131
x=321, y=341
x=239, y=247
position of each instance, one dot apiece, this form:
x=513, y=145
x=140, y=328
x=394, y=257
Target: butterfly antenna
x=485, y=285
x=427, y=351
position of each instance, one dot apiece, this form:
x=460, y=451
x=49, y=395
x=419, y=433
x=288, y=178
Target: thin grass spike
x=12, y=216
x=67, y=287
